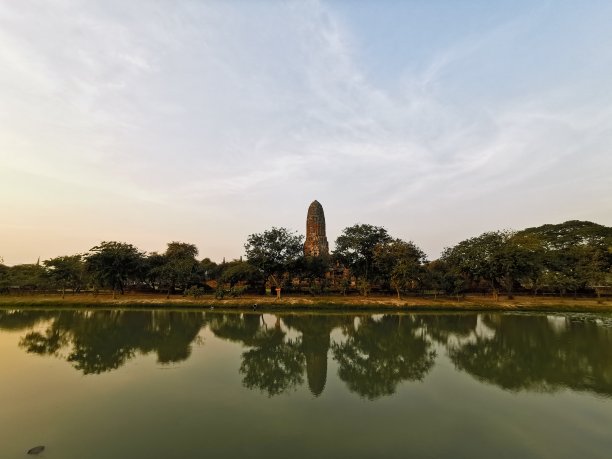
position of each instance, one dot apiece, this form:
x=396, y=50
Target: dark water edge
x=188, y=383
x=317, y=306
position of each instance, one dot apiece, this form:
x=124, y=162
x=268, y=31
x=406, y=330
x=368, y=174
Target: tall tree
x=355, y=249
x=112, y=264
x=274, y=252
x=400, y=264
x=439, y=275
x=66, y=271
x=575, y=255
x=495, y=257
x=180, y=268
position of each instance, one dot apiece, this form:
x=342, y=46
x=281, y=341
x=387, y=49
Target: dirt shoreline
x=304, y=303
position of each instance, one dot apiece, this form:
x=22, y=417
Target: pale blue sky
x=152, y=121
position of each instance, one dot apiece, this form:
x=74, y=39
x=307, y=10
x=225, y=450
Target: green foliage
x=573, y=255
x=151, y=268
x=195, y=292
x=236, y=291
x=570, y=256
x=573, y=233
x=4, y=278
x=400, y=264
x=274, y=252
x=355, y=249
x=26, y=277
x=220, y=292
x=318, y=287
x=313, y=268
x=181, y=250
x=238, y=271
x=179, y=268
x=345, y=284
x=495, y=257
x=440, y=276
x=209, y=269
x=112, y=264
x=66, y=272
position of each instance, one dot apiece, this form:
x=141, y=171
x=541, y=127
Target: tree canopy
x=355, y=249
x=274, y=252
x=111, y=264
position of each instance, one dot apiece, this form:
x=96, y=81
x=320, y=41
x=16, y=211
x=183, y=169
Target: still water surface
x=174, y=384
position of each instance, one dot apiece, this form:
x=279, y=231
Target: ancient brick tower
x=316, y=244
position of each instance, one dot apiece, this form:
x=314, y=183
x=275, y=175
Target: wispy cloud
x=208, y=104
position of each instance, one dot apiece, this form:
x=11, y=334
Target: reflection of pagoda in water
x=315, y=344
x=315, y=347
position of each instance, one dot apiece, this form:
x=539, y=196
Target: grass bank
x=303, y=303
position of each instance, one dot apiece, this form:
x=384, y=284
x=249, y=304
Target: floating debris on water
x=36, y=450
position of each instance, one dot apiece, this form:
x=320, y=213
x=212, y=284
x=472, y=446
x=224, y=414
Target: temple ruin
x=316, y=244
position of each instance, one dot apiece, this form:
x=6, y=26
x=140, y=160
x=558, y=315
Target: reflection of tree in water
x=514, y=352
x=315, y=344
x=379, y=354
x=273, y=364
x=239, y=328
x=443, y=327
x=539, y=353
x=22, y=319
x=98, y=341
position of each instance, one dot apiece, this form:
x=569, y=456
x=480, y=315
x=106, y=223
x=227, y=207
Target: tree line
x=572, y=257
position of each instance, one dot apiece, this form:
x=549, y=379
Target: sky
x=206, y=121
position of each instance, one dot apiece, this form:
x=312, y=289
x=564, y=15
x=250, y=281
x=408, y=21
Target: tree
x=209, y=269
x=180, y=268
x=66, y=271
x=574, y=255
x=593, y=269
x=400, y=264
x=438, y=277
x=151, y=268
x=496, y=257
x=239, y=271
x=112, y=264
x=313, y=269
x=4, y=277
x=274, y=253
x=27, y=277
x=355, y=249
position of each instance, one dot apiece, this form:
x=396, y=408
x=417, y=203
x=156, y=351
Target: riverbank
x=269, y=303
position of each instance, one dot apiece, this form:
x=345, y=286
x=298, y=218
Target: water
x=171, y=384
